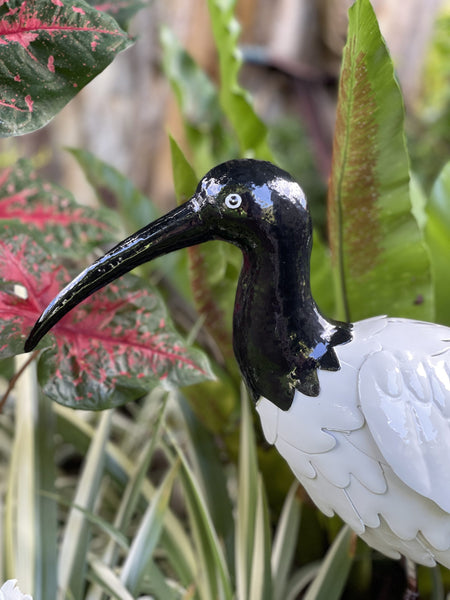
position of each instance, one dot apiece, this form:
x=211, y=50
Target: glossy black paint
x=280, y=337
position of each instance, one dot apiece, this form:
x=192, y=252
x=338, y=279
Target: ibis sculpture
x=359, y=411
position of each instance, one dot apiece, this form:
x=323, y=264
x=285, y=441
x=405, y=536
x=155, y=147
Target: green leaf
x=198, y=100
x=147, y=535
x=100, y=523
x=321, y=275
x=380, y=262
x=175, y=542
x=212, y=577
x=45, y=483
x=418, y=202
x=74, y=546
x=184, y=177
x=195, y=93
x=208, y=468
x=132, y=490
x=115, y=191
x=109, y=583
x=261, y=575
x=437, y=585
x=22, y=506
x=285, y=542
x=160, y=585
x=108, y=580
x=301, y=579
x=334, y=570
x=248, y=127
x=51, y=50
x=437, y=235
x=248, y=493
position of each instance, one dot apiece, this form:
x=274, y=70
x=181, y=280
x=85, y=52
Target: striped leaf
x=380, y=261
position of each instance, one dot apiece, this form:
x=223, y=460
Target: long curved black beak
x=180, y=228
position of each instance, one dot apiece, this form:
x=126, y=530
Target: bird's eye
x=233, y=201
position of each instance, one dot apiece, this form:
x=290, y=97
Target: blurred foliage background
x=292, y=54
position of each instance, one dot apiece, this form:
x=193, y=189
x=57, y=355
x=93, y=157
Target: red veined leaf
x=49, y=213
x=114, y=347
x=25, y=264
x=50, y=49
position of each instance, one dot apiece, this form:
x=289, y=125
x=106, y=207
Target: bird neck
x=280, y=337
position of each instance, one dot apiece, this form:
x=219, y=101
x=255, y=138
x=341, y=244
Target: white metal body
x=374, y=446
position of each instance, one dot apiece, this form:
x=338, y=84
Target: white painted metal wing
x=405, y=398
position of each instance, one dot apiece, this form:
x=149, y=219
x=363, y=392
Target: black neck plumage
x=280, y=337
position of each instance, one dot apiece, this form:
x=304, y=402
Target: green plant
x=108, y=526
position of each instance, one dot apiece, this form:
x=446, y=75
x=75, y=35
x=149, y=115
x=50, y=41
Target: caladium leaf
x=380, y=261
x=23, y=263
x=31, y=205
x=50, y=49
x=116, y=346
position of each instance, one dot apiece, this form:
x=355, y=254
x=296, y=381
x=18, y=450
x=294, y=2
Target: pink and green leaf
x=116, y=346
x=380, y=261
x=23, y=263
x=49, y=50
x=48, y=213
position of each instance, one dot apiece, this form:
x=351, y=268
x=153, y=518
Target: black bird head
x=249, y=203
x=280, y=338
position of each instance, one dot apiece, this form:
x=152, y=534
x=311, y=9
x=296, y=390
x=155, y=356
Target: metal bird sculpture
x=359, y=411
